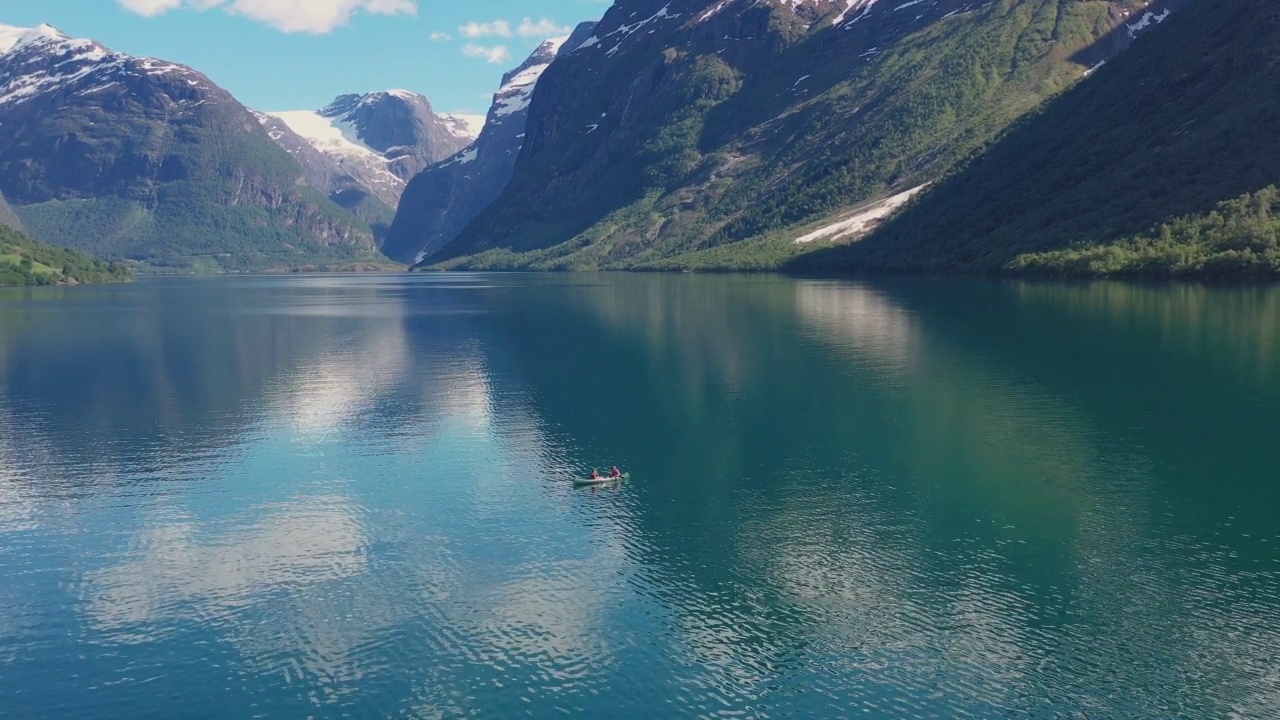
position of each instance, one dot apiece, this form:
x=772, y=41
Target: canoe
x=601, y=481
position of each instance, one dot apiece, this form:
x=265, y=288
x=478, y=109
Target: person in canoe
x=616, y=473
x=595, y=474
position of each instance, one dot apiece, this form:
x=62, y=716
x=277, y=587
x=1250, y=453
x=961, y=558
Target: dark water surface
x=349, y=497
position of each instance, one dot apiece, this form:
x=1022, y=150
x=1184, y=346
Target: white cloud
x=499, y=28
x=495, y=54
x=441, y=36
x=544, y=28
x=150, y=8
x=528, y=28
x=308, y=16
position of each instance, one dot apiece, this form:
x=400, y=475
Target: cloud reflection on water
x=185, y=568
x=855, y=511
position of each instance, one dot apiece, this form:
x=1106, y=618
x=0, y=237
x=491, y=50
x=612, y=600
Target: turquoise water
x=350, y=497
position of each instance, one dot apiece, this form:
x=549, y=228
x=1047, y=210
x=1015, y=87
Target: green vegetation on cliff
x=191, y=231
x=1241, y=238
x=24, y=261
x=150, y=163
x=1164, y=163
x=703, y=144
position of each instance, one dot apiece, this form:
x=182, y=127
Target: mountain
x=24, y=261
x=357, y=180
x=132, y=158
x=445, y=197
x=1165, y=162
x=362, y=149
x=703, y=133
x=402, y=126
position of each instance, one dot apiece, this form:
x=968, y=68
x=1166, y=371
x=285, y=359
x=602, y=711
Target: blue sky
x=274, y=56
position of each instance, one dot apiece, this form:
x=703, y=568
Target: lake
x=351, y=496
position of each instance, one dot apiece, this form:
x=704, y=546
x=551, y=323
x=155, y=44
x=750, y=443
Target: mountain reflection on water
x=330, y=495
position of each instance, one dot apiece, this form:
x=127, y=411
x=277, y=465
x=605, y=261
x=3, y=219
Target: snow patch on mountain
x=663, y=14
x=845, y=7
x=466, y=156
x=864, y=6
x=1147, y=20
x=376, y=141
x=326, y=135
x=463, y=125
x=30, y=85
x=43, y=59
x=853, y=6
x=15, y=38
x=713, y=10
x=624, y=31
x=517, y=91
x=339, y=144
x=861, y=221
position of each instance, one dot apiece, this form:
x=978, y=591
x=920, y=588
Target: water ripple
x=350, y=497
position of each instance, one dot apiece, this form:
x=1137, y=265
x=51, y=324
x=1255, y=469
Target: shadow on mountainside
x=1184, y=120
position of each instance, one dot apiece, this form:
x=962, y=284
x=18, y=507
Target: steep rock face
x=361, y=150
x=352, y=176
x=8, y=218
x=445, y=197
x=690, y=133
x=1183, y=121
x=376, y=141
x=139, y=159
x=403, y=126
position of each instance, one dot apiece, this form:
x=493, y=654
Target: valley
x=1014, y=137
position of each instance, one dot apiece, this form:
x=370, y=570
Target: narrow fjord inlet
x=335, y=497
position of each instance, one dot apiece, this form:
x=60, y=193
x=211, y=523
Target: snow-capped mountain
x=138, y=158
x=377, y=141
x=441, y=200
x=681, y=126
x=41, y=62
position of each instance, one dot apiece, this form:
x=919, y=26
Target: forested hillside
x=697, y=134
x=24, y=261
x=1164, y=162
x=1240, y=238
x=138, y=159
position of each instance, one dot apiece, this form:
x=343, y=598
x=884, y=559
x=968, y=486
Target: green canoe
x=601, y=481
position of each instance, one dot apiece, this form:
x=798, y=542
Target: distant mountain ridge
x=361, y=150
x=403, y=126
x=440, y=202
x=378, y=140
x=695, y=133
x=686, y=134
x=140, y=159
